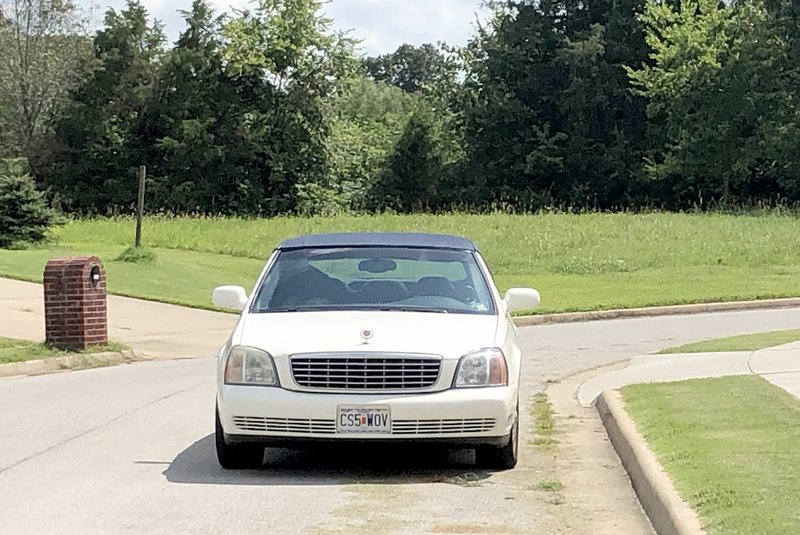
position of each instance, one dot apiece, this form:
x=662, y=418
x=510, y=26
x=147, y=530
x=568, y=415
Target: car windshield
x=374, y=278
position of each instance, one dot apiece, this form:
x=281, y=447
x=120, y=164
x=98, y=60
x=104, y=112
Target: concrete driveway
x=129, y=449
x=146, y=326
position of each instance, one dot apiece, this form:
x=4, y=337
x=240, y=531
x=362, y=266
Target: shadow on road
x=197, y=464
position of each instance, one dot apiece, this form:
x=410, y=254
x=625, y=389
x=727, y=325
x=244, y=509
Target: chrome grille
x=285, y=425
x=399, y=427
x=366, y=371
x=435, y=427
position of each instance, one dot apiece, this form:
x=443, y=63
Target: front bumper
x=274, y=416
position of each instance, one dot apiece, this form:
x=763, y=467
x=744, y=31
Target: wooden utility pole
x=140, y=206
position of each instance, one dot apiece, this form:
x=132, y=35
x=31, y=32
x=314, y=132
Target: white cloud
x=381, y=25
x=386, y=24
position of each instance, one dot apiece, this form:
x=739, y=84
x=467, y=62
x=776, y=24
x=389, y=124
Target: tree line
x=566, y=104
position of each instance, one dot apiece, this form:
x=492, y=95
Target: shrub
x=24, y=213
x=134, y=255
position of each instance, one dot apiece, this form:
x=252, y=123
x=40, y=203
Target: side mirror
x=230, y=297
x=517, y=299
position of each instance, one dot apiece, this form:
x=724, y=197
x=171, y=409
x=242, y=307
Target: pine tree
x=414, y=170
x=24, y=214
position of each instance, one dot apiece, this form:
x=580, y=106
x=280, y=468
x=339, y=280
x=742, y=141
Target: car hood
x=449, y=335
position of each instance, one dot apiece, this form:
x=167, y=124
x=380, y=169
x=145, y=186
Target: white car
x=373, y=337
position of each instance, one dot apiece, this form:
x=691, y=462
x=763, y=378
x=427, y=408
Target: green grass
x=549, y=486
x=13, y=350
x=744, y=342
x=544, y=424
x=731, y=447
x=136, y=255
x=179, y=277
x=578, y=262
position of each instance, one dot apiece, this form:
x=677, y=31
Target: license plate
x=363, y=420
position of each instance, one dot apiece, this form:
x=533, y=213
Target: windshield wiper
x=414, y=309
x=345, y=308
x=298, y=309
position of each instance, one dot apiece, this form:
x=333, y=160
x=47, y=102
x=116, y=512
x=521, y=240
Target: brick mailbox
x=75, y=302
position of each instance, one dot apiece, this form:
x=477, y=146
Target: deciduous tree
x=43, y=44
x=712, y=87
x=110, y=128
x=289, y=48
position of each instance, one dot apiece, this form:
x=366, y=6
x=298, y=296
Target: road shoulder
x=597, y=496
x=70, y=362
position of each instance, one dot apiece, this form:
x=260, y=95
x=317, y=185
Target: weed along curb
x=69, y=362
x=676, y=310
x=667, y=512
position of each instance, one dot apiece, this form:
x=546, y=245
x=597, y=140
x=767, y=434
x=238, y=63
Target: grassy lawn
x=744, y=342
x=177, y=276
x=731, y=447
x=578, y=262
x=13, y=350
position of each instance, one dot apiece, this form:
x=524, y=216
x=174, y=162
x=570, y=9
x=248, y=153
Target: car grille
x=366, y=372
x=284, y=425
x=399, y=427
x=436, y=427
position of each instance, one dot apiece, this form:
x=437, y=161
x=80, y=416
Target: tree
x=547, y=83
x=24, y=214
x=603, y=121
x=366, y=120
x=414, y=170
x=712, y=88
x=781, y=145
x=44, y=45
x=203, y=162
x=111, y=126
x=510, y=104
x=291, y=44
x=428, y=69
x=286, y=50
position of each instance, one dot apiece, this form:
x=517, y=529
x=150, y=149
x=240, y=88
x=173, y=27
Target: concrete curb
x=701, y=308
x=667, y=512
x=69, y=362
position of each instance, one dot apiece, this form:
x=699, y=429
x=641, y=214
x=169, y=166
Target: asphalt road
x=129, y=450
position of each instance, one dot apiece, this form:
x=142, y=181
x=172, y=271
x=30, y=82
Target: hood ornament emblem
x=366, y=334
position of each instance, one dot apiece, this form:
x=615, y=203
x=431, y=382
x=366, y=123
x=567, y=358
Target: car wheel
x=501, y=457
x=236, y=456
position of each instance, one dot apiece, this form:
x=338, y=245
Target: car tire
x=236, y=456
x=501, y=457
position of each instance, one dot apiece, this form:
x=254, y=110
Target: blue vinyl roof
x=380, y=239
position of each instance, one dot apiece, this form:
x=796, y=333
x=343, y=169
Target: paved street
x=129, y=449
x=558, y=350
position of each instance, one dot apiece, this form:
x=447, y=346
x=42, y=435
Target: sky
x=381, y=25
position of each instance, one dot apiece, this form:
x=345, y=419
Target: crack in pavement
x=95, y=428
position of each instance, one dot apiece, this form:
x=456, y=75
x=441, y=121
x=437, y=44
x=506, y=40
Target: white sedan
x=372, y=337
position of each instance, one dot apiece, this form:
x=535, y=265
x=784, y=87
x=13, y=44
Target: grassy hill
x=577, y=261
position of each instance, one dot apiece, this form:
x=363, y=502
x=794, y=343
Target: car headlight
x=485, y=367
x=250, y=366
